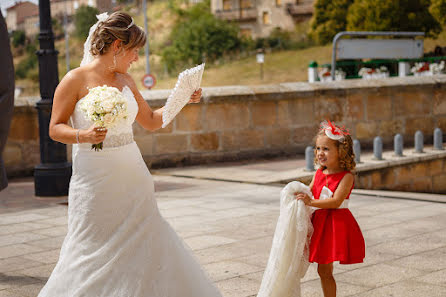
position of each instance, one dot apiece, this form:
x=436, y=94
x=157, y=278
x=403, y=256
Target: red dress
x=336, y=236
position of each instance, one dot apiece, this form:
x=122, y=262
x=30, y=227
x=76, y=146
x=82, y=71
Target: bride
x=117, y=243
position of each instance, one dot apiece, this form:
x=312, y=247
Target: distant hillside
x=284, y=66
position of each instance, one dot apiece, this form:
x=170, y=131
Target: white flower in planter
x=421, y=69
x=371, y=73
x=325, y=74
x=437, y=68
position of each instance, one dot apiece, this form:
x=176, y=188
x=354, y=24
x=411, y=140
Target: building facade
x=25, y=15
x=16, y=15
x=257, y=18
x=59, y=7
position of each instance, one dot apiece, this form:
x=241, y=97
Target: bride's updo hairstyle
x=117, y=26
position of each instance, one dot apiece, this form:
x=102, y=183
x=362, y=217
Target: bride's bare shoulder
x=75, y=79
x=72, y=84
x=72, y=78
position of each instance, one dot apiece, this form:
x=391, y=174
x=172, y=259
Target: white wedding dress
x=117, y=244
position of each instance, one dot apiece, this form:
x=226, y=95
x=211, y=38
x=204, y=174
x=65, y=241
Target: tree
x=84, y=18
x=395, y=15
x=329, y=18
x=199, y=34
x=438, y=10
x=18, y=38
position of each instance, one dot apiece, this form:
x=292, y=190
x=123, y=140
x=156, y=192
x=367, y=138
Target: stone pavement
x=229, y=226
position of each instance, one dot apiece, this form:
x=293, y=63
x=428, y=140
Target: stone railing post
x=398, y=145
x=309, y=159
x=438, y=139
x=419, y=142
x=357, y=151
x=378, y=148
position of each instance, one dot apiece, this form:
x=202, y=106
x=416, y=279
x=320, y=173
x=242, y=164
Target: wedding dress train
x=117, y=243
x=288, y=259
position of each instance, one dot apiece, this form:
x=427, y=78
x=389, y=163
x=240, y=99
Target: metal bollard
x=357, y=151
x=438, y=139
x=398, y=145
x=378, y=148
x=419, y=142
x=309, y=159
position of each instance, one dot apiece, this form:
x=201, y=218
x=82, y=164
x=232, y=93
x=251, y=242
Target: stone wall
x=427, y=176
x=22, y=150
x=240, y=122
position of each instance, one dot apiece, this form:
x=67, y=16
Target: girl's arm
x=148, y=119
x=311, y=183
x=339, y=195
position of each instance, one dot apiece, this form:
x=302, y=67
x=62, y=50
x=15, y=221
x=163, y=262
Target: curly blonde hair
x=345, y=151
x=116, y=26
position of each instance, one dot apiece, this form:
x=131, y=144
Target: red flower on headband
x=332, y=131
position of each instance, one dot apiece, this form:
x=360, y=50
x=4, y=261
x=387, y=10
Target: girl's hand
x=93, y=134
x=196, y=96
x=304, y=197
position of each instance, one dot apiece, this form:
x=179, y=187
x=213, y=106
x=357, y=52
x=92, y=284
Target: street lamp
x=52, y=175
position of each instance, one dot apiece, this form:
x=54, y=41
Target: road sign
x=148, y=81
x=260, y=57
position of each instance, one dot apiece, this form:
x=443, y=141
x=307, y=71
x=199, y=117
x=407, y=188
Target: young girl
x=337, y=236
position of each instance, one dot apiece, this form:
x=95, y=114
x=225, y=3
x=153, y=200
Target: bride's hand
x=196, y=96
x=94, y=134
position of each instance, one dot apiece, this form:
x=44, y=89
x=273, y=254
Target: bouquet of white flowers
x=105, y=107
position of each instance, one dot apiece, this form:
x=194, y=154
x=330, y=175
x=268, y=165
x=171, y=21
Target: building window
x=246, y=4
x=227, y=4
x=278, y=2
x=265, y=18
x=246, y=32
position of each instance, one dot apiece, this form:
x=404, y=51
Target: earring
x=113, y=68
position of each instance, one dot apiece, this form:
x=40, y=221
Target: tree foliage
x=438, y=10
x=18, y=38
x=84, y=18
x=199, y=35
x=395, y=15
x=27, y=67
x=330, y=17
x=333, y=16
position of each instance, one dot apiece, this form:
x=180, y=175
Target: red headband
x=332, y=131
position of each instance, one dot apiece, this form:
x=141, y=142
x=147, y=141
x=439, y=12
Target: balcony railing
x=244, y=14
x=300, y=9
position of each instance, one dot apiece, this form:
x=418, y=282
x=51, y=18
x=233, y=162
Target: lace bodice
x=119, y=135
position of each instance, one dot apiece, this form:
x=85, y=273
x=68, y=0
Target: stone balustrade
x=240, y=122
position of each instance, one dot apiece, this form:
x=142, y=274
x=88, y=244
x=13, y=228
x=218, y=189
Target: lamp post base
x=52, y=180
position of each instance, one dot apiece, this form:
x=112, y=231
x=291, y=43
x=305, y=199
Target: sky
x=7, y=3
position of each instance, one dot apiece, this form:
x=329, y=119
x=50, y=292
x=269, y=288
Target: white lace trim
x=118, y=140
x=188, y=82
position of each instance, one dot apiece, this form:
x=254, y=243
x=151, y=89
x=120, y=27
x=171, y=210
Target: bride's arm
x=65, y=98
x=148, y=119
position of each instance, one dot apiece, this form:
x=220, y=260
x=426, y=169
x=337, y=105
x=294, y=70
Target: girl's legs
x=328, y=282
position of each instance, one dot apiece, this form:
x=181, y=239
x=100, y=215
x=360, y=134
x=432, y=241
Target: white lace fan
x=188, y=82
